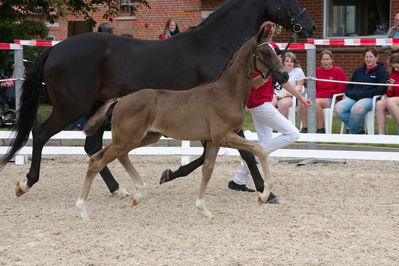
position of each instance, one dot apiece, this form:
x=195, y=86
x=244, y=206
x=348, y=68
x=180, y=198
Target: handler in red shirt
x=390, y=104
x=324, y=90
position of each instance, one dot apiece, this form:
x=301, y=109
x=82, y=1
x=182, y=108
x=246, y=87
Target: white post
x=185, y=159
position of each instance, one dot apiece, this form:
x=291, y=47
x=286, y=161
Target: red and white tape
x=10, y=46
x=310, y=44
x=296, y=46
x=354, y=42
x=36, y=42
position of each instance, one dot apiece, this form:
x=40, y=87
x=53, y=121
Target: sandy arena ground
x=330, y=215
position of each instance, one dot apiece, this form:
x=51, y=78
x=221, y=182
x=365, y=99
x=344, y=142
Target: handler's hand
x=306, y=101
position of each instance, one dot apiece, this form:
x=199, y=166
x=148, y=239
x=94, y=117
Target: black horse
x=82, y=72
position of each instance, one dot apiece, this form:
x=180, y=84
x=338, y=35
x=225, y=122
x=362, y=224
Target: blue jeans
x=352, y=112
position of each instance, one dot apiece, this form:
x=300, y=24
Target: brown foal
x=213, y=112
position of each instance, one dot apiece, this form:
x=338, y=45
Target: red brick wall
x=211, y=4
x=148, y=23
x=151, y=22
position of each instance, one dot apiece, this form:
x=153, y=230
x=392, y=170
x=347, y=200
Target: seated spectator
x=324, y=90
x=7, y=93
x=390, y=104
x=78, y=124
x=358, y=98
x=171, y=29
x=282, y=99
x=393, y=33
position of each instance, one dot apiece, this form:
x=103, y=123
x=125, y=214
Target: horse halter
x=255, y=57
x=296, y=27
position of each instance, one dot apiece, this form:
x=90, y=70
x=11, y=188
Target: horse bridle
x=255, y=58
x=296, y=27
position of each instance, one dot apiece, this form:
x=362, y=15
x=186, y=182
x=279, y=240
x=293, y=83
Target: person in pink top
x=324, y=90
x=391, y=103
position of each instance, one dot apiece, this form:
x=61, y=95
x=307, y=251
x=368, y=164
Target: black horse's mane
x=233, y=55
x=215, y=15
x=221, y=10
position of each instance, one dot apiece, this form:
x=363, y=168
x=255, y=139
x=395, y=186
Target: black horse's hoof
x=165, y=176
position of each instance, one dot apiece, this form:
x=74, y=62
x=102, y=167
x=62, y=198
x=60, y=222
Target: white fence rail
x=185, y=149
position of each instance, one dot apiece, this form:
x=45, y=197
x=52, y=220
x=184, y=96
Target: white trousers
x=267, y=118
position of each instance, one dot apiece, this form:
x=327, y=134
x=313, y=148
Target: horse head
x=291, y=15
x=265, y=59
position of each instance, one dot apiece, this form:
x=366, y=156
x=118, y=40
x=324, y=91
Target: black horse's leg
x=93, y=144
x=249, y=158
x=41, y=134
x=38, y=142
x=183, y=170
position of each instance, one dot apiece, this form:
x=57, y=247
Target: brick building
x=334, y=19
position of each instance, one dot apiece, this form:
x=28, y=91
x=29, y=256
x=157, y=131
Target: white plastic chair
x=329, y=113
x=292, y=111
x=368, y=119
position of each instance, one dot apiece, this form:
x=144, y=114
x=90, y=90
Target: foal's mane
x=232, y=57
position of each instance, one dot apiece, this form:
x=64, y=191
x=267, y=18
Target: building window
x=356, y=17
x=78, y=27
x=126, y=6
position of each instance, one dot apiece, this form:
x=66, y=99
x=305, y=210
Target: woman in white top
x=282, y=100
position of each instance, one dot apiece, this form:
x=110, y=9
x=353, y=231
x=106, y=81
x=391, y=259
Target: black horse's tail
x=28, y=108
x=92, y=125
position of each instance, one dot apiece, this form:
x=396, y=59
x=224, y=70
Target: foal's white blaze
x=200, y=203
x=82, y=206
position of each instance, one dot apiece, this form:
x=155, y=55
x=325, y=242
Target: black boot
x=234, y=186
x=304, y=130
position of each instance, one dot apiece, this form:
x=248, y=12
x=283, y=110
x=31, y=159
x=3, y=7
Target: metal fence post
x=19, y=75
x=311, y=88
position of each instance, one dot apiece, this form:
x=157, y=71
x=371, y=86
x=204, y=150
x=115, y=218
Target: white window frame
x=325, y=26
x=126, y=3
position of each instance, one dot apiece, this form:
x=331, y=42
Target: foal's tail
x=92, y=125
x=28, y=108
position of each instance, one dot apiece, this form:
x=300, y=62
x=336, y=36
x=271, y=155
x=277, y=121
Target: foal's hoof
x=20, y=189
x=201, y=206
x=165, y=176
x=262, y=198
x=120, y=193
x=134, y=202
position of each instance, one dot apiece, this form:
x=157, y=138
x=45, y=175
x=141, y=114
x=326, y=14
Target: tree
x=26, y=30
x=18, y=10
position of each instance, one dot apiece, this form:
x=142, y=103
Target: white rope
x=306, y=78
x=351, y=82
x=2, y=80
x=13, y=79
